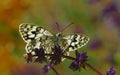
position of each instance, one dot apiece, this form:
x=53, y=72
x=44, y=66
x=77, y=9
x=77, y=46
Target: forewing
x=31, y=32
x=75, y=41
x=35, y=37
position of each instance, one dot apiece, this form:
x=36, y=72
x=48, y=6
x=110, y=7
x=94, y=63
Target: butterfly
x=37, y=37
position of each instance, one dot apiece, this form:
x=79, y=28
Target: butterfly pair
x=37, y=37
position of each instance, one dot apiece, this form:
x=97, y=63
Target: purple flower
x=110, y=71
x=46, y=68
x=74, y=66
x=80, y=59
x=40, y=55
x=56, y=57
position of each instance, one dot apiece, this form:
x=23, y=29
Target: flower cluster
x=56, y=57
x=81, y=58
x=80, y=61
x=110, y=71
x=39, y=56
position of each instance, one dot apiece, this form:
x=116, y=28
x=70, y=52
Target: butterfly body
x=57, y=38
x=37, y=37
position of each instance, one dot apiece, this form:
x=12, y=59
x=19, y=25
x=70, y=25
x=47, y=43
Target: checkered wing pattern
x=75, y=41
x=35, y=37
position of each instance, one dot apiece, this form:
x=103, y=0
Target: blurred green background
x=99, y=19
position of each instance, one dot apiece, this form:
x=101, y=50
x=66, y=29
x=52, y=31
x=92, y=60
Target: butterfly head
x=57, y=38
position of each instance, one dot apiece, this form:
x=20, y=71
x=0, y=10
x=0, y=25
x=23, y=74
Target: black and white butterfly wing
x=31, y=32
x=75, y=41
x=35, y=37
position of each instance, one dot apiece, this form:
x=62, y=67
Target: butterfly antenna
x=67, y=27
x=58, y=27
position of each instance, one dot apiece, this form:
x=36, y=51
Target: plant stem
x=54, y=70
x=74, y=59
x=94, y=69
x=88, y=65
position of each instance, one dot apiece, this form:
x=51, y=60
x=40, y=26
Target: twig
x=74, y=59
x=94, y=69
x=54, y=70
x=88, y=65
